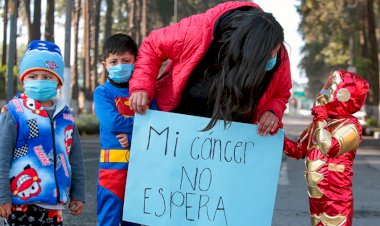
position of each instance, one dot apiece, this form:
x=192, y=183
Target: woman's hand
x=139, y=101
x=123, y=139
x=268, y=122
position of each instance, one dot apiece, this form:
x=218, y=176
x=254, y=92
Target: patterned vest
x=40, y=169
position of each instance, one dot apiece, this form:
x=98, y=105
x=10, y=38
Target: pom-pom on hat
x=42, y=55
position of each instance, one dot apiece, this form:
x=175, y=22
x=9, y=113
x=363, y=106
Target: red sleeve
x=293, y=149
x=160, y=45
x=282, y=85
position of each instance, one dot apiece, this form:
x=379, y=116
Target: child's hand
x=76, y=207
x=5, y=210
x=123, y=139
x=319, y=113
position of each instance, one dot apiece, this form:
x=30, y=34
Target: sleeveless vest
x=40, y=169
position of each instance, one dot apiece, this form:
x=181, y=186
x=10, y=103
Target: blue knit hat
x=42, y=55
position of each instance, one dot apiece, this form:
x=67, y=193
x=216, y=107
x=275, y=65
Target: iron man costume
x=329, y=145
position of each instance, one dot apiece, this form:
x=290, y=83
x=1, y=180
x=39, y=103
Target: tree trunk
x=87, y=55
x=5, y=27
x=4, y=54
x=107, y=34
x=137, y=21
x=95, y=44
x=143, y=24
x=15, y=79
x=131, y=17
x=28, y=20
x=373, y=69
x=108, y=20
x=35, y=26
x=74, y=78
x=49, y=24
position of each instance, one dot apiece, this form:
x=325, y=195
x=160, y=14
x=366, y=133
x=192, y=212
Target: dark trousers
x=32, y=215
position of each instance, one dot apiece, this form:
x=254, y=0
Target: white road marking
x=91, y=159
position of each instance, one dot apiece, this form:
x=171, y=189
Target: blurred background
x=321, y=36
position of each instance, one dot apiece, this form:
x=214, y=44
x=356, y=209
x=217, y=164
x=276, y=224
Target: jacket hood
x=344, y=93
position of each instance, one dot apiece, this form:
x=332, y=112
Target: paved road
x=291, y=207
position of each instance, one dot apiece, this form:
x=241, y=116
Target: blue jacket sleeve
x=109, y=118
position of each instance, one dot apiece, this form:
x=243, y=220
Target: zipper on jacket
x=55, y=159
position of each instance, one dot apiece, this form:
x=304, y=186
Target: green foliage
x=362, y=65
x=120, y=19
x=340, y=34
x=335, y=53
x=190, y=7
x=324, y=26
x=3, y=69
x=371, y=122
x=16, y=80
x=87, y=124
x=60, y=6
x=162, y=8
x=185, y=8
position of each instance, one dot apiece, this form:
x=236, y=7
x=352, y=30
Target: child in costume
x=41, y=163
x=116, y=122
x=329, y=145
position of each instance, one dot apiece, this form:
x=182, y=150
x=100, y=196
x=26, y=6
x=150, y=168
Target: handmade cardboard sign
x=181, y=175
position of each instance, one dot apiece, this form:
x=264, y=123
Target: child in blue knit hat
x=41, y=163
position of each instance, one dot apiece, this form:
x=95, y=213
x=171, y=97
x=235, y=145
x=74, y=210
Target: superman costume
x=115, y=117
x=329, y=145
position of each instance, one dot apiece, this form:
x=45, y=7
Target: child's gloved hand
x=5, y=210
x=76, y=207
x=319, y=113
x=123, y=139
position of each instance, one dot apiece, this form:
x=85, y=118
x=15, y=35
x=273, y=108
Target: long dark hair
x=247, y=37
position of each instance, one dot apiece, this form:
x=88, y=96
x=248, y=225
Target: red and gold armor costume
x=329, y=145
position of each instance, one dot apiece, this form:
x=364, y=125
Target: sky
x=283, y=10
x=286, y=14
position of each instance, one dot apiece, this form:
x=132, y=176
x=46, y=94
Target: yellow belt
x=114, y=155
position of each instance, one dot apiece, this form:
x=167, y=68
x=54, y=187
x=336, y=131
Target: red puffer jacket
x=184, y=44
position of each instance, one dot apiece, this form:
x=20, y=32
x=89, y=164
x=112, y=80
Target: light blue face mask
x=271, y=63
x=120, y=73
x=40, y=90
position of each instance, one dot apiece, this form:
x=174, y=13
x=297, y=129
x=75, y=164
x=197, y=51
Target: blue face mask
x=271, y=63
x=121, y=72
x=40, y=90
